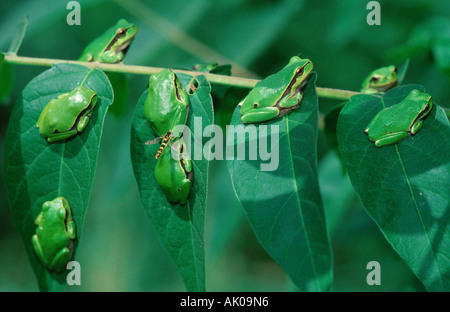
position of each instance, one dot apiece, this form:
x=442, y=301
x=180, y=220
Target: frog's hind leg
x=291, y=101
x=38, y=249
x=391, y=138
x=60, y=261
x=61, y=136
x=82, y=123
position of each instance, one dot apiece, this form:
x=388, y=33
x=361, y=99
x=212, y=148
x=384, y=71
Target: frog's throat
x=122, y=47
x=125, y=45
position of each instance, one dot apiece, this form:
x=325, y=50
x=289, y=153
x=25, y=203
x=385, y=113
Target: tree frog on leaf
x=112, y=46
x=175, y=176
x=67, y=115
x=205, y=67
x=393, y=124
x=53, y=241
x=380, y=80
x=278, y=94
x=166, y=104
x=213, y=68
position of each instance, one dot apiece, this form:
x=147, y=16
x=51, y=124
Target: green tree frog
x=175, y=176
x=278, y=94
x=166, y=104
x=67, y=115
x=112, y=46
x=380, y=80
x=205, y=67
x=393, y=124
x=53, y=241
x=213, y=68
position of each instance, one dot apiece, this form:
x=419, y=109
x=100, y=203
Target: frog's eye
x=121, y=32
x=255, y=105
x=395, y=70
x=300, y=71
x=374, y=79
x=62, y=213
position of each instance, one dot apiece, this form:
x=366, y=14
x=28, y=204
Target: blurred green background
x=119, y=250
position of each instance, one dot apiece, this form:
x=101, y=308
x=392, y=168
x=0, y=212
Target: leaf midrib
x=294, y=181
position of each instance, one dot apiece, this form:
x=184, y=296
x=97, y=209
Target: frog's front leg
x=416, y=126
x=184, y=189
x=87, y=58
x=37, y=247
x=60, y=261
x=82, y=123
x=111, y=57
x=290, y=101
x=61, y=136
x=391, y=138
x=260, y=115
x=71, y=233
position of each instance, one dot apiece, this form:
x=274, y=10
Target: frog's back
x=97, y=46
x=391, y=120
x=270, y=89
x=93, y=49
x=49, y=235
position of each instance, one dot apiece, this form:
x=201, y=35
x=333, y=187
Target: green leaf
x=18, y=36
x=402, y=71
x=330, y=124
x=179, y=227
x=441, y=53
x=336, y=190
x=37, y=171
x=119, y=84
x=284, y=206
x=404, y=187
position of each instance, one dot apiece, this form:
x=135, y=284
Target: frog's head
x=205, y=67
x=381, y=79
x=278, y=94
x=424, y=103
x=124, y=33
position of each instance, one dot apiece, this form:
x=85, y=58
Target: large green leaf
x=284, y=206
x=36, y=171
x=404, y=187
x=179, y=227
x=336, y=190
